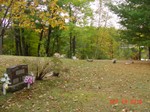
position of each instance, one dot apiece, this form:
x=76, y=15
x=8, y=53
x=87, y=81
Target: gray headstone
x=17, y=75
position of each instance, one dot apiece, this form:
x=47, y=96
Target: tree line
x=44, y=27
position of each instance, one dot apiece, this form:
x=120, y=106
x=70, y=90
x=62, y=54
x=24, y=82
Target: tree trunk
x=70, y=34
x=17, y=45
x=58, y=44
x=139, y=53
x=70, y=52
x=53, y=47
x=48, y=40
x=1, y=43
x=111, y=50
x=27, y=50
x=18, y=42
x=149, y=52
x=20, y=45
x=6, y=12
x=96, y=48
x=39, y=44
x=23, y=42
x=74, y=46
x=99, y=12
x=2, y=28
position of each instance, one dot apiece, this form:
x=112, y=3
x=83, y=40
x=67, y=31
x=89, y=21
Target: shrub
x=39, y=66
x=42, y=66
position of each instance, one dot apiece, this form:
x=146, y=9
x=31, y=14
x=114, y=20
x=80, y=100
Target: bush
x=39, y=66
x=42, y=66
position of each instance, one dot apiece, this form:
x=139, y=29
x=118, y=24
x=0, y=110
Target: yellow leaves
x=53, y=4
x=5, y=1
x=47, y=14
x=38, y=30
x=63, y=27
x=25, y=14
x=60, y=22
x=54, y=23
x=36, y=2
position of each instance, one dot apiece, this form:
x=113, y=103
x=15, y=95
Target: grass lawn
x=98, y=86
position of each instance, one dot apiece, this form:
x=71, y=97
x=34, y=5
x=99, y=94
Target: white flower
x=3, y=79
x=5, y=75
x=7, y=82
x=5, y=85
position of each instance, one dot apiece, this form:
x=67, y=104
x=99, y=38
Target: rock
x=62, y=56
x=57, y=55
x=74, y=57
x=90, y=60
x=114, y=61
x=129, y=62
x=55, y=74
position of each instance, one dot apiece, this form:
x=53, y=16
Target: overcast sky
x=113, y=19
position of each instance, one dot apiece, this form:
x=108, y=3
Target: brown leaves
x=87, y=87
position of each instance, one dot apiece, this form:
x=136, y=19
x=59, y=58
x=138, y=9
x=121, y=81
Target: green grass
x=86, y=87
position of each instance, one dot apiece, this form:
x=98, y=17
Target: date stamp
x=125, y=101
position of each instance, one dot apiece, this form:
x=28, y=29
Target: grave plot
x=17, y=75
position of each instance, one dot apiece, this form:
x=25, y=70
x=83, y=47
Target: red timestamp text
x=126, y=101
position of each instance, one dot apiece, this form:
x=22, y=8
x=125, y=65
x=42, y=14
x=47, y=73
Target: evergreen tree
x=134, y=15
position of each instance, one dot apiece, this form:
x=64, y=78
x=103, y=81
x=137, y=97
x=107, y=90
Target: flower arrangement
x=5, y=80
x=29, y=80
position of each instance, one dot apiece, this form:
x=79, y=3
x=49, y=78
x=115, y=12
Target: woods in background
x=42, y=28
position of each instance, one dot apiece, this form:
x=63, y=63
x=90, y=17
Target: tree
x=4, y=19
x=134, y=15
x=89, y=36
x=30, y=14
x=78, y=11
x=102, y=13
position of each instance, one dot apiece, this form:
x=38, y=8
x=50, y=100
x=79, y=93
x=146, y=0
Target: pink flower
x=28, y=79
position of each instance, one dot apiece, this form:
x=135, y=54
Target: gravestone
x=17, y=75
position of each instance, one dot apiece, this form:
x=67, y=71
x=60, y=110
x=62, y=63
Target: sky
x=106, y=13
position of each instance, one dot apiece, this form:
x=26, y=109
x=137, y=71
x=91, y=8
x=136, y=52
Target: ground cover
x=98, y=86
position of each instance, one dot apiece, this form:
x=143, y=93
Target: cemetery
x=81, y=86
x=74, y=55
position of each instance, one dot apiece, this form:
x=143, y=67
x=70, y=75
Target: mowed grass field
x=98, y=86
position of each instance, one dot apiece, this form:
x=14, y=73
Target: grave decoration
x=5, y=80
x=29, y=80
x=14, y=78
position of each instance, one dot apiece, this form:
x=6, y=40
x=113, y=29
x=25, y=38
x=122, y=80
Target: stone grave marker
x=17, y=75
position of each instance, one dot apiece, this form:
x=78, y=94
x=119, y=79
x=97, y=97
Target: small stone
x=114, y=61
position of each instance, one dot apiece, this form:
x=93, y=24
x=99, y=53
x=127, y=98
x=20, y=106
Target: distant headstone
x=90, y=60
x=114, y=61
x=57, y=55
x=74, y=58
x=17, y=75
x=147, y=59
x=129, y=62
x=62, y=56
